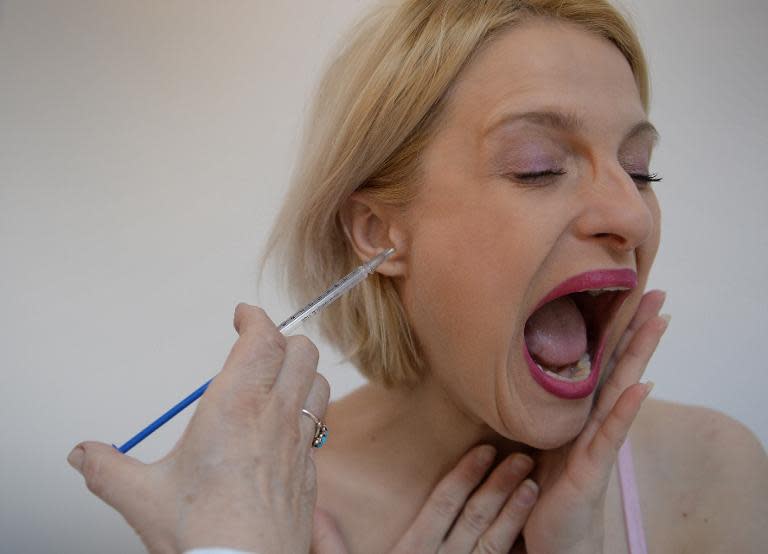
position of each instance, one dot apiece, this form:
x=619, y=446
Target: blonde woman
x=504, y=149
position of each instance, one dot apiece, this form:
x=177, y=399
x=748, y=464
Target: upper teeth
x=595, y=292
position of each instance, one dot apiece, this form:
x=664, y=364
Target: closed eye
x=535, y=176
x=644, y=180
x=646, y=177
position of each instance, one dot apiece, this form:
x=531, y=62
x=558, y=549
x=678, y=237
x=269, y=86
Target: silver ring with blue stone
x=321, y=431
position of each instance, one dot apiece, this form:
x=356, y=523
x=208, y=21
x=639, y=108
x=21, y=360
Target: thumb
x=326, y=538
x=117, y=479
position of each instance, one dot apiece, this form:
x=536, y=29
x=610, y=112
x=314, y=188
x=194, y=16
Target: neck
x=399, y=429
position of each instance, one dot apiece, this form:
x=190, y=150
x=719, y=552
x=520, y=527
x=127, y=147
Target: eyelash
x=539, y=175
x=650, y=178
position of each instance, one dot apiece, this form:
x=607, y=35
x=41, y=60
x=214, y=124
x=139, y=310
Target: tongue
x=556, y=334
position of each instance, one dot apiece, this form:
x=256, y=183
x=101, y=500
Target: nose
x=614, y=211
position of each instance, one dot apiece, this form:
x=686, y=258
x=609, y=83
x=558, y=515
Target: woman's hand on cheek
x=568, y=517
x=241, y=476
x=464, y=514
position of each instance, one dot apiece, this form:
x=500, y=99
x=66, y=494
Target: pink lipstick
x=598, y=307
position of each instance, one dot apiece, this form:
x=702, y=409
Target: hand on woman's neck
x=388, y=449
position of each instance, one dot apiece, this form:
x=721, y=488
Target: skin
x=414, y=451
x=476, y=251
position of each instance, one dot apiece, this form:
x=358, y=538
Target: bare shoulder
x=709, y=472
x=705, y=429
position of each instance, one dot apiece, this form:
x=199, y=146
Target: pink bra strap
x=633, y=517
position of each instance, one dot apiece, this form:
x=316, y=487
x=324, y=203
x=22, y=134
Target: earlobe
x=371, y=228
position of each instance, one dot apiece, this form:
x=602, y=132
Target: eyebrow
x=569, y=122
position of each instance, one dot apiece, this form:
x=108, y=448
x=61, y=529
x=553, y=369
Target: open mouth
x=566, y=333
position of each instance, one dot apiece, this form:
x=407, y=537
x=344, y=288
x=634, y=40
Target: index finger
x=253, y=364
x=631, y=366
x=650, y=305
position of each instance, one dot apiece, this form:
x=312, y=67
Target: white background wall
x=144, y=149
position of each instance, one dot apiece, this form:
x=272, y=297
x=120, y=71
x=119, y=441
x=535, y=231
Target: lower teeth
x=573, y=374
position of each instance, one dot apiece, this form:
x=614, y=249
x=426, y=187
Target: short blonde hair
x=375, y=110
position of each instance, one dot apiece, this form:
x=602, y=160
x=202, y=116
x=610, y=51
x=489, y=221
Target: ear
x=371, y=227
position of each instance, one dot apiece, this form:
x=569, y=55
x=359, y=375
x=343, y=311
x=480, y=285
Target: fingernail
x=648, y=388
x=526, y=493
x=75, y=458
x=666, y=317
x=486, y=454
x=522, y=463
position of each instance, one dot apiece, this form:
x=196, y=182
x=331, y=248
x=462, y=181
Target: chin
x=554, y=430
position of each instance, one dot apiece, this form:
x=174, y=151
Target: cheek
x=469, y=273
x=469, y=264
x=651, y=246
x=454, y=277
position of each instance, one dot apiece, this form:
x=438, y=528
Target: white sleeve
x=216, y=550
